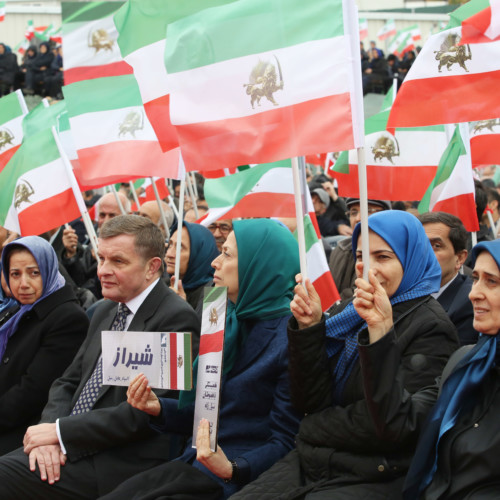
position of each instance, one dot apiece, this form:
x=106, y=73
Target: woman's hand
x=373, y=305
x=140, y=396
x=306, y=307
x=180, y=290
x=215, y=462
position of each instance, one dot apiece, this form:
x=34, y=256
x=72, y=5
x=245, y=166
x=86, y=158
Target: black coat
x=44, y=344
x=338, y=447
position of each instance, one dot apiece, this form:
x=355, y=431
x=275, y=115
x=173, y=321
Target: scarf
x=405, y=234
x=52, y=280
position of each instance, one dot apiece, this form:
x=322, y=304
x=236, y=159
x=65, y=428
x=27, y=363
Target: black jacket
x=44, y=344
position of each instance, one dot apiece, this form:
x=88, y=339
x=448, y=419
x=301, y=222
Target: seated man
x=341, y=259
x=79, y=426
x=448, y=238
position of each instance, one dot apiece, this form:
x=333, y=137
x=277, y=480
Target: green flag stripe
x=34, y=152
x=40, y=118
x=9, y=108
x=342, y=164
x=228, y=32
x=102, y=94
x=309, y=233
x=142, y=23
x=78, y=12
x=465, y=11
x=230, y=190
x=212, y=294
x=188, y=362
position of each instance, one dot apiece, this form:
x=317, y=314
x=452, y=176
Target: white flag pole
x=195, y=186
x=394, y=87
x=363, y=209
x=160, y=206
x=179, y=233
x=134, y=194
x=77, y=193
x=300, y=219
x=22, y=102
x=191, y=194
x=492, y=222
x=117, y=198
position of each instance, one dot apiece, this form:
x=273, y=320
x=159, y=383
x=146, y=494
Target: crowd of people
x=389, y=394
x=40, y=71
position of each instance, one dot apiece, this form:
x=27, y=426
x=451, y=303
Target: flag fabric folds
x=363, y=28
x=113, y=137
x=480, y=21
x=256, y=81
x=89, y=41
x=147, y=190
x=30, y=205
x=452, y=190
x=387, y=30
x=2, y=10
x=449, y=83
x=11, y=129
x=485, y=142
x=405, y=40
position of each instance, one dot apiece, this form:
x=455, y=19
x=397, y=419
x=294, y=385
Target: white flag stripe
x=316, y=261
x=327, y=75
x=15, y=128
x=93, y=129
x=493, y=29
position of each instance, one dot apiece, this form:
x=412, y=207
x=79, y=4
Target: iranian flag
x=142, y=27
x=12, y=110
x=89, y=41
x=482, y=23
x=256, y=81
x=113, y=137
x=180, y=360
x=449, y=83
x=485, y=142
x=363, y=29
x=147, y=193
x=399, y=166
x=2, y=10
x=38, y=191
x=317, y=266
x=405, y=40
x=387, y=30
x=452, y=190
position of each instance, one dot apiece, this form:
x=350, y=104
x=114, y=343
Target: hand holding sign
x=216, y=462
x=140, y=396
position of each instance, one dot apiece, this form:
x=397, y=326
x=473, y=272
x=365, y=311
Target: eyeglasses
x=223, y=228
x=355, y=213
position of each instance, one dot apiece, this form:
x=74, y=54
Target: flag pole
x=300, y=218
x=134, y=194
x=195, y=187
x=77, y=193
x=363, y=209
x=394, y=87
x=160, y=206
x=491, y=221
x=22, y=102
x=179, y=234
x=191, y=194
x=117, y=198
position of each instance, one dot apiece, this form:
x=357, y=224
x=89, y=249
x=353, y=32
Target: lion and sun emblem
x=263, y=82
x=451, y=53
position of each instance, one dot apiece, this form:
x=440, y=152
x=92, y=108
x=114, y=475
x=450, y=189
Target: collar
x=136, y=302
x=444, y=287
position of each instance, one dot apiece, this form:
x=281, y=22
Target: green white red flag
x=2, y=10
x=142, y=27
x=452, y=190
x=482, y=23
x=240, y=98
x=39, y=192
x=12, y=111
x=387, y=30
x=147, y=190
x=399, y=166
x=113, y=137
x=363, y=28
x=405, y=40
x=89, y=41
x=449, y=83
x=485, y=142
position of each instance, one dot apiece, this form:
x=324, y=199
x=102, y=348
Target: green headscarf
x=268, y=260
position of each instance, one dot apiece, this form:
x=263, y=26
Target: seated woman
x=198, y=250
x=459, y=443
x=39, y=341
x=257, y=424
x=339, y=454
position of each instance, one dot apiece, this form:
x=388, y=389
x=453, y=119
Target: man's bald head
x=107, y=208
x=151, y=210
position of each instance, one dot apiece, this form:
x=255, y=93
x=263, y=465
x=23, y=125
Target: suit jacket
x=44, y=344
x=455, y=301
x=257, y=423
x=114, y=434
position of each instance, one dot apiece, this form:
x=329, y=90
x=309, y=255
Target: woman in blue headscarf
x=459, y=438
x=339, y=453
x=39, y=341
x=198, y=250
x=257, y=425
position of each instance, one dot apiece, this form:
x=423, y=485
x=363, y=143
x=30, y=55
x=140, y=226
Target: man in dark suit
x=448, y=238
x=86, y=427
